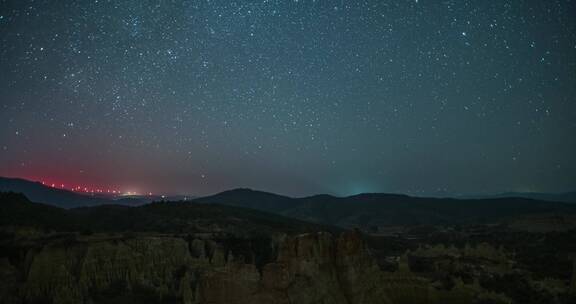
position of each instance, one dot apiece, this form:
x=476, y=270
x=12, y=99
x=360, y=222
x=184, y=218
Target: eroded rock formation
x=306, y=268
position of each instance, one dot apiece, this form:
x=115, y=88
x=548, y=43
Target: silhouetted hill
x=37, y=192
x=364, y=210
x=160, y=217
x=375, y=209
x=186, y=217
x=139, y=200
x=17, y=210
x=566, y=197
x=251, y=199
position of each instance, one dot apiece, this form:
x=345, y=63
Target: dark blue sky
x=296, y=97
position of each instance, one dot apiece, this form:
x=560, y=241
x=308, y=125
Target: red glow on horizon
x=91, y=189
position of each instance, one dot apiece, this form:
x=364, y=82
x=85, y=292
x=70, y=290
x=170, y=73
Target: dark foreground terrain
x=182, y=252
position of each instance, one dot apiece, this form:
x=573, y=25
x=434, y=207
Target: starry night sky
x=425, y=97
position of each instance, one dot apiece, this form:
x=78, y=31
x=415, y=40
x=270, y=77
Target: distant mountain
x=566, y=197
x=37, y=192
x=364, y=210
x=251, y=199
x=378, y=209
x=62, y=198
x=162, y=217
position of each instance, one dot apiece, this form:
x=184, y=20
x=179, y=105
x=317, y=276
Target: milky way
x=297, y=97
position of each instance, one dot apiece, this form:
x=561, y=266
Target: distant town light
x=89, y=189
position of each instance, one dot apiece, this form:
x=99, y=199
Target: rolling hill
x=62, y=198
x=160, y=217
x=566, y=197
x=376, y=209
x=37, y=192
x=363, y=210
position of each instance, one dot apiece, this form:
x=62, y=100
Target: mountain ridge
x=361, y=210
x=63, y=198
x=38, y=192
x=378, y=209
x=162, y=217
x=564, y=197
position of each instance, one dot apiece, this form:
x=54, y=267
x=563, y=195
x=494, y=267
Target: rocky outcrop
x=306, y=268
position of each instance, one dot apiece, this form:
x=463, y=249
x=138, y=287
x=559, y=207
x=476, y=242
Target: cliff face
x=307, y=268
